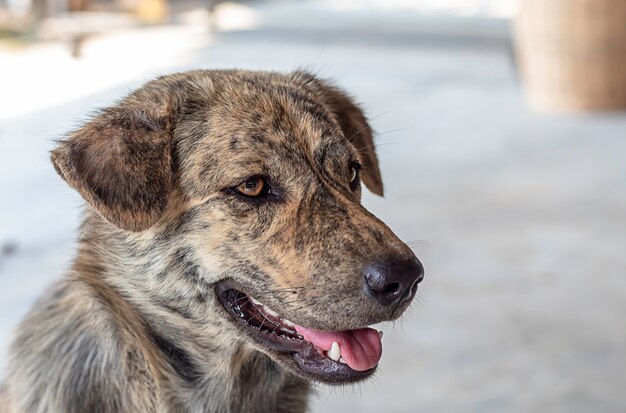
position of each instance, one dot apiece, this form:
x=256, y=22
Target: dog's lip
x=282, y=338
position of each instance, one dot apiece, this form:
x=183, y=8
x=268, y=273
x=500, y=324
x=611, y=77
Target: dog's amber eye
x=354, y=175
x=253, y=187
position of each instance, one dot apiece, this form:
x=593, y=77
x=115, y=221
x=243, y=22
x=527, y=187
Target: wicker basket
x=572, y=53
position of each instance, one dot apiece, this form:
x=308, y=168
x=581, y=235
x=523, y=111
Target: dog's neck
x=207, y=367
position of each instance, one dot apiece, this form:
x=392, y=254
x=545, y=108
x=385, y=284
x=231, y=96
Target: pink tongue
x=361, y=349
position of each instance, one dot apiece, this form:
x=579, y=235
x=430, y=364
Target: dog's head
x=249, y=185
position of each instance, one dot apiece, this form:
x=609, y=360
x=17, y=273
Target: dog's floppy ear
x=357, y=130
x=120, y=161
x=354, y=126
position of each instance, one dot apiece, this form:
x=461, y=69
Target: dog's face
x=254, y=180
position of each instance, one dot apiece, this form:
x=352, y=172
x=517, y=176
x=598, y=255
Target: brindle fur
x=135, y=325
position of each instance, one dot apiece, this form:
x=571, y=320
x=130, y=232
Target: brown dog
x=224, y=260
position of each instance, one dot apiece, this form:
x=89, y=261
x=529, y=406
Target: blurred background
x=501, y=135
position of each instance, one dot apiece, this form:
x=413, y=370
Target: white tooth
x=264, y=308
x=341, y=360
x=380, y=333
x=271, y=312
x=334, y=352
x=255, y=302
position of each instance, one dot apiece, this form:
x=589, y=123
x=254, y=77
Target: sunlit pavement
x=523, y=305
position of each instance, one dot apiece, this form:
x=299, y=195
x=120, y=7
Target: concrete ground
x=524, y=214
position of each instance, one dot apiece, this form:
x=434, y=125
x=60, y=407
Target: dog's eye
x=253, y=187
x=354, y=175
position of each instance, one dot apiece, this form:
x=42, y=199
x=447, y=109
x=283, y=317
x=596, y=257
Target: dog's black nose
x=393, y=281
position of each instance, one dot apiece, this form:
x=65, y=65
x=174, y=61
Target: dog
x=224, y=261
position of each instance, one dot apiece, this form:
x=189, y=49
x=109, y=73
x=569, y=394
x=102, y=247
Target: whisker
x=393, y=130
x=376, y=145
x=418, y=301
x=281, y=290
x=366, y=124
x=377, y=116
x=358, y=131
x=240, y=299
x=419, y=243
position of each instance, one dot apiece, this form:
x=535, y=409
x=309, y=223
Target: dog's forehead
x=272, y=113
x=278, y=105
x=261, y=123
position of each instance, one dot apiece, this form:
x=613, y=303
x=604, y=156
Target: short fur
x=135, y=325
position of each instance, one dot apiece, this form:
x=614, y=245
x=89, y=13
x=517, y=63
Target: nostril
x=391, y=289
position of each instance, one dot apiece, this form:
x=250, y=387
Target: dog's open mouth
x=335, y=357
